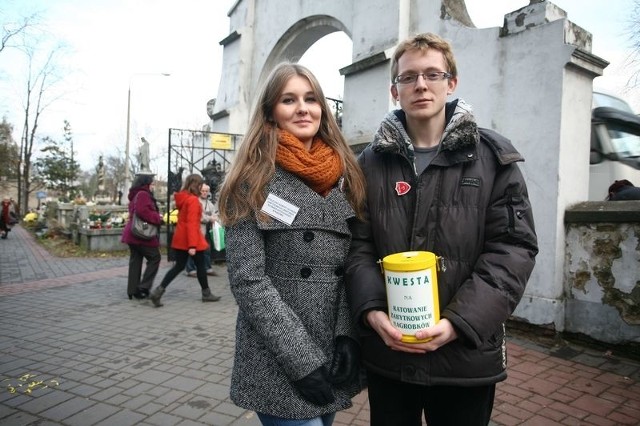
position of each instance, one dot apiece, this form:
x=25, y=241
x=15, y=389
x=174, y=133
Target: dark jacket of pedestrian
x=8, y=217
x=471, y=192
x=143, y=203
x=623, y=190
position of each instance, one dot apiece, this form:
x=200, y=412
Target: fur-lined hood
x=461, y=131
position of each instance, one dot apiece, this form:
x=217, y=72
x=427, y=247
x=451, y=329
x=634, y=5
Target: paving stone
x=123, y=417
x=118, y=361
x=97, y=413
x=67, y=408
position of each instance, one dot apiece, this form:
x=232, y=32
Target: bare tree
x=12, y=29
x=114, y=180
x=40, y=80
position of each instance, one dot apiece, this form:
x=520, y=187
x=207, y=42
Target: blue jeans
x=191, y=265
x=267, y=420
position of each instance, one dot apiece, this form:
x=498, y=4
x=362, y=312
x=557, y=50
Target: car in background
x=615, y=144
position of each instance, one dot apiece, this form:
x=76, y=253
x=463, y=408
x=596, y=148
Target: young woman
x=143, y=203
x=188, y=240
x=286, y=203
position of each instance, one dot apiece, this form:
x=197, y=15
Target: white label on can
x=410, y=296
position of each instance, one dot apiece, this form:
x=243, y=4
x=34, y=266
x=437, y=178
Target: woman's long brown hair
x=192, y=184
x=243, y=189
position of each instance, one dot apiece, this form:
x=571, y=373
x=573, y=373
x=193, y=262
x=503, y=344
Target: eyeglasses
x=428, y=76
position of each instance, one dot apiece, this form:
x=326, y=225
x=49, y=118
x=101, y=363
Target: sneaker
x=211, y=272
x=192, y=274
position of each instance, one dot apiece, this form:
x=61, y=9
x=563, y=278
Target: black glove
x=315, y=388
x=346, y=361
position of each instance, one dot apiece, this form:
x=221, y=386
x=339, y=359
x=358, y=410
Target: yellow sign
x=221, y=141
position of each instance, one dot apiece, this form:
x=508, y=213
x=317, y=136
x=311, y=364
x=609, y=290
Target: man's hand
x=379, y=321
x=440, y=334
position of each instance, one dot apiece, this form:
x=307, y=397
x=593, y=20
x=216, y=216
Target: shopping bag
x=217, y=236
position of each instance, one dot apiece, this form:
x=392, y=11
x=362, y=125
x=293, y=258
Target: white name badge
x=280, y=209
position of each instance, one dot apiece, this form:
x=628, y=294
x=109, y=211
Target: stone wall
x=602, y=271
x=106, y=239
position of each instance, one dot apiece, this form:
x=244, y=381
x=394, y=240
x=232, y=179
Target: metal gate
x=193, y=151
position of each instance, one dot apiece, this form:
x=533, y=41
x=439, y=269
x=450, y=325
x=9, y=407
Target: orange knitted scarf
x=320, y=167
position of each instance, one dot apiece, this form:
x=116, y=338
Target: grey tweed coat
x=288, y=283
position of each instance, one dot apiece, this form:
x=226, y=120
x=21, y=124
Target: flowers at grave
x=99, y=219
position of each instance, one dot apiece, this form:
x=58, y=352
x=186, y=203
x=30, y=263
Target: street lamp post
x=127, y=162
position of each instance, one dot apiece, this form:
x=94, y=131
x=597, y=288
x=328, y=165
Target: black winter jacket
x=471, y=207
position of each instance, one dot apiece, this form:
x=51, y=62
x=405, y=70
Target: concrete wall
x=530, y=80
x=106, y=240
x=601, y=274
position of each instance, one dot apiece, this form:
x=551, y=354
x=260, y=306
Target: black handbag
x=140, y=228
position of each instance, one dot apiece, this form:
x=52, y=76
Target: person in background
x=438, y=183
x=188, y=240
x=208, y=217
x=622, y=190
x=8, y=217
x=285, y=204
x=143, y=203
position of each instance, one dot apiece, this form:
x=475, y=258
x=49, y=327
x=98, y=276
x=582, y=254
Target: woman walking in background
x=188, y=240
x=8, y=217
x=286, y=202
x=143, y=203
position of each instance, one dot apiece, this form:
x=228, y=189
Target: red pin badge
x=402, y=187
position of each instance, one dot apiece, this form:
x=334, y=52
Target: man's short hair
x=423, y=42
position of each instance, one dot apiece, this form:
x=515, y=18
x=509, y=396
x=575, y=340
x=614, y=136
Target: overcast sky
x=114, y=45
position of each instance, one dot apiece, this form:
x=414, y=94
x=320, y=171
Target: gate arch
x=299, y=38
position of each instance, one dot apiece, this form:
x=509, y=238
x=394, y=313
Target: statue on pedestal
x=100, y=172
x=143, y=156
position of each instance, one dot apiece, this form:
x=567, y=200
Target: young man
x=438, y=183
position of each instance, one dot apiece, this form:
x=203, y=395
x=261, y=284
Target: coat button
x=308, y=236
x=305, y=272
x=339, y=271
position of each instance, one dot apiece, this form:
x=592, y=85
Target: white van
x=615, y=145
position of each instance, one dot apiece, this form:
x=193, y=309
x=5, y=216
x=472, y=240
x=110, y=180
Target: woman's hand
x=192, y=251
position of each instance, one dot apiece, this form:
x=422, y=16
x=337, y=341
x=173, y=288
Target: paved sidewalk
x=75, y=351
